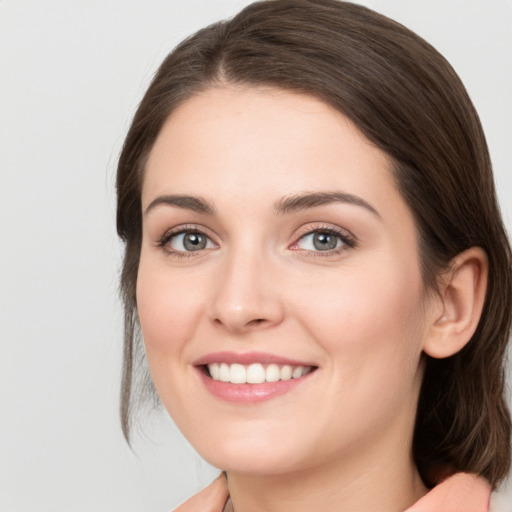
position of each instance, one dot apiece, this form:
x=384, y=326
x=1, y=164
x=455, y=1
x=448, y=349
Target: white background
x=71, y=75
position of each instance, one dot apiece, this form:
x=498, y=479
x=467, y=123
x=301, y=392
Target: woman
x=317, y=263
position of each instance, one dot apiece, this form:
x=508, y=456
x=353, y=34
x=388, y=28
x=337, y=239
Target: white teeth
x=237, y=374
x=297, y=372
x=255, y=373
x=286, y=372
x=272, y=374
x=214, y=371
x=224, y=372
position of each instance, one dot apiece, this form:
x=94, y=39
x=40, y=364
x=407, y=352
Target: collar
x=460, y=492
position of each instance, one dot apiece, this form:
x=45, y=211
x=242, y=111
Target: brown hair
x=406, y=99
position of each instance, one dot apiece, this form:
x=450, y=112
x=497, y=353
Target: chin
x=251, y=463
x=249, y=453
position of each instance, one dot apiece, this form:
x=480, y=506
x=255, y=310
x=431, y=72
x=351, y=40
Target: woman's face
x=277, y=250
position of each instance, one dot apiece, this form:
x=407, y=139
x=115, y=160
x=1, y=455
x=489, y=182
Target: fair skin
x=273, y=234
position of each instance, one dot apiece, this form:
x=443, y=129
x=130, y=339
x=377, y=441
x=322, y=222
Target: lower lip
x=250, y=393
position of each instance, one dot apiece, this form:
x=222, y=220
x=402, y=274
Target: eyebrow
x=281, y=207
x=196, y=204
x=312, y=199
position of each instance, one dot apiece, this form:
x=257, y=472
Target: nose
x=247, y=295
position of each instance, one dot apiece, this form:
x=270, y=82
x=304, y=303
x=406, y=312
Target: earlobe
x=462, y=297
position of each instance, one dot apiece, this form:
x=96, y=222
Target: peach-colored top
x=461, y=492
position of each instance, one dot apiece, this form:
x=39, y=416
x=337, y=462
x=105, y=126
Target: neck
x=385, y=479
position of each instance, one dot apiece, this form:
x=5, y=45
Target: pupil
x=324, y=241
x=194, y=242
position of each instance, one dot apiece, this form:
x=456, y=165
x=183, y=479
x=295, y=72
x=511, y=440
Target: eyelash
x=169, y=235
x=347, y=239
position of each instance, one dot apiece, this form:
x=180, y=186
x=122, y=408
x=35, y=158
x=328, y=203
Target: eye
x=320, y=241
x=187, y=240
x=326, y=240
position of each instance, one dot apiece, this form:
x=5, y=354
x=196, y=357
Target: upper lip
x=247, y=358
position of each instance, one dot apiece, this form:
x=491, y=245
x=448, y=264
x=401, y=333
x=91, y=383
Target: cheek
x=168, y=311
x=368, y=322
x=370, y=327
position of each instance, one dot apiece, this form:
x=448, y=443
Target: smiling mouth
x=255, y=373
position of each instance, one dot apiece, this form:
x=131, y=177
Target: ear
x=462, y=297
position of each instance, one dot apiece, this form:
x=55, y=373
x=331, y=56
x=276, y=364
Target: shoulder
x=211, y=499
x=461, y=491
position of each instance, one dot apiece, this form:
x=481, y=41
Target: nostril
x=240, y=325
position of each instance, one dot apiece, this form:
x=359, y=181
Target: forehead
x=238, y=142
